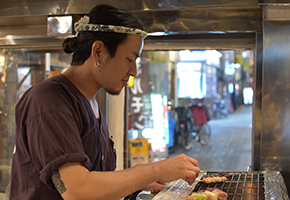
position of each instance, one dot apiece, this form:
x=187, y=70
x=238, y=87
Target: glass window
x=19, y=70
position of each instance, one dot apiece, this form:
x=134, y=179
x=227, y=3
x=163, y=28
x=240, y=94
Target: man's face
x=117, y=70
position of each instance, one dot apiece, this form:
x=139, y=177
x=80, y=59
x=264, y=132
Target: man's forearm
x=81, y=184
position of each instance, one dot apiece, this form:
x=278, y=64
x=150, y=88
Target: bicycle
x=201, y=117
x=190, y=130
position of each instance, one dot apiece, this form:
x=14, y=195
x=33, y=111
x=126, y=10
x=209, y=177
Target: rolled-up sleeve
x=54, y=139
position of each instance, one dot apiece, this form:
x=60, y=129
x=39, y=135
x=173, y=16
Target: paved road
x=230, y=145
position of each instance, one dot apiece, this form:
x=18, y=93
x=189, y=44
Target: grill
x=240, y=185
x=248, y=185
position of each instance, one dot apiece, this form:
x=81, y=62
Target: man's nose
x=133, y=71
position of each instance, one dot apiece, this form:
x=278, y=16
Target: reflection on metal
x=202, y=21
x=257, y=105
x=33, y=7
x=152, y=5
x=31, y=44
x=276, y=13
x=238, y=41
x=275, y=138
x=273, y=2
x=59, y=25
x=26, y=21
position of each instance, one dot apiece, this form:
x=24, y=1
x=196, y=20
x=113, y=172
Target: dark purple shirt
x=55, y=124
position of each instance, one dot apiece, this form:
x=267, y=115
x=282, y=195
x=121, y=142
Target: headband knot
x=82, y=22
x=83, y=25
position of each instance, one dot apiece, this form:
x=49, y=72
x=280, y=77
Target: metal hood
x=23, y=23
x=35, y=7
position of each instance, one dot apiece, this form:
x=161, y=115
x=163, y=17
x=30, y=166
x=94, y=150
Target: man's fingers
x=193, y=161
x=190, y=159
x=192, y=175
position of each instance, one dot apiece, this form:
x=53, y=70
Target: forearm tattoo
x=59, y=185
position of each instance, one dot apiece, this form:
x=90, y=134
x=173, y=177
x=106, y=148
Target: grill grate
x=239, y=186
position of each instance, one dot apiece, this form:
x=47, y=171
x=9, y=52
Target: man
x=63, y=148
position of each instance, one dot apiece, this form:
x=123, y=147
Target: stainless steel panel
x=24, y=31
x=153, y=5
x=257, y=103
x=277, y=13
x=161, y=21
x=275, y=139
x=202, y=21
x=36, y=7
x=33, y=7
x=236, y=41
x=27, y=28
x=273, y=1
x=25, y=20
x=31, y=43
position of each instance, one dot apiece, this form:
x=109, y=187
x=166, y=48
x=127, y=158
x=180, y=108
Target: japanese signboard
x=139, y=98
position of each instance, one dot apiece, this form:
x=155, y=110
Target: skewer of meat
x=216, y=179
x=221, y=195
x=208, y=194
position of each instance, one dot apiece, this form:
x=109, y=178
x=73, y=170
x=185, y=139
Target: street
x=230, y=145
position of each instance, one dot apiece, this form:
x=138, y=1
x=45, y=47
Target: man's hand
x=154, y=187
x=180, y=166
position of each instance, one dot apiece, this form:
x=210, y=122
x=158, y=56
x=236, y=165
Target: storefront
x=149, y=95
x=168, y=79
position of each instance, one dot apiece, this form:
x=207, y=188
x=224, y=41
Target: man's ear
x=97, y=48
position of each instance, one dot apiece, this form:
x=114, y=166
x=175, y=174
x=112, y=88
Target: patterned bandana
x=83, y=25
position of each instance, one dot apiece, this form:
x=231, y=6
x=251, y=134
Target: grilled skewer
x=216, y=179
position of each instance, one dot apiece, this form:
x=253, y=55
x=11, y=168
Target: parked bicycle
x=220, y=107
x=201, y=127
x=184, y=128
x=192, y=126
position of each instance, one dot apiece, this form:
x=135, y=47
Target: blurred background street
x=229, y=148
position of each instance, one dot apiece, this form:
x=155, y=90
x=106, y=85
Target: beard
x=113, y=92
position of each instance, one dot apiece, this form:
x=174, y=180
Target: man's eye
x=130, y=60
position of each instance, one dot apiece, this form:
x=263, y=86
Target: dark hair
x=106, y=15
